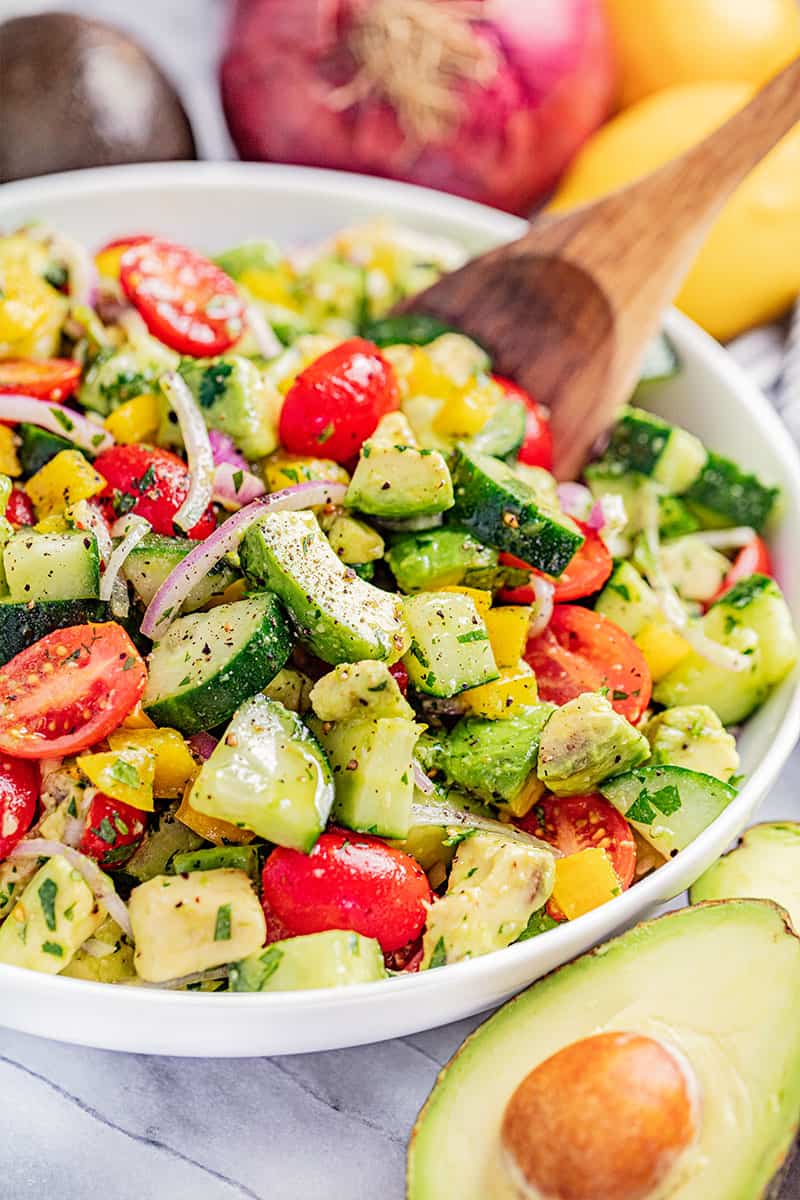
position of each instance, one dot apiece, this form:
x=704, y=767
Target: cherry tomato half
x=47, y=379
x=575, y=823
x=752, y=559
x=68, y=690
x=186, y=301
x=150, y=482
x=19, y=510
x=585, y=575
x=348, y=881
x=337, y=401
x=19, y=791
x=537, y=447
x=401, y=675
x=582, y=651
x=113, y=831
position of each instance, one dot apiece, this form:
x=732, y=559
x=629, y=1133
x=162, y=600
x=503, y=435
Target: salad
x=311, y=671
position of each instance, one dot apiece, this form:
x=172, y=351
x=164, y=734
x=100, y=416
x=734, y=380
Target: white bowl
x=211, y=206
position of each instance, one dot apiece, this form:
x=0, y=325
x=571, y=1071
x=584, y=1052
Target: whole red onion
x=489, y=99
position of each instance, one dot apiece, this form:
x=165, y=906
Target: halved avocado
x=718, y=983
x=764, y=865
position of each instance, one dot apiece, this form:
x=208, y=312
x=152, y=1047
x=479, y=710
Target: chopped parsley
x=439, y=956
x=53, y=948
x=48, y=890
x=125, y=773
x=222, y=926
x=213, y=384
x=474, y=635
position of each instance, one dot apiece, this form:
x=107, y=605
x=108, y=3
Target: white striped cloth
x=771, y=356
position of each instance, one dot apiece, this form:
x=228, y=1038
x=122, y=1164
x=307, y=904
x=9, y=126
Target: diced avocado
x=669, y=455
x=108, y=960
x=757, y=602
x=267, y=774
x=55, y=915
x=494, y=887
x=731, y=1020
x=234, y=398
x=423, y=562
x=373, y=771
x=354, y=541
x=395, y=478
x=692, y=736
x=584, y=742
x=52, y=566
x=695, y=569
x=668, y=806
x=450, y=649
x=155, y=854
x=248, y=256
x=290, y=688
x=764, y=865
x=363, y=689
x=37, y=446
x=237, y=858
x=116, y=376
x=723, y=494
x=187, y=923
x=334, y=958
x=152, y=559
x=628, y=600
x=340, y=617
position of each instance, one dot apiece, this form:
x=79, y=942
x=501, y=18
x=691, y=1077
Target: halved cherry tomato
x=68, y=690
x=575, y=823
x=585, y=575
x=19, y=791
x=537, y=447
x=582, y=651
x=348, y=881
x=186, y=301
x=150, y=482
x=752, y=559
x=113, y=831
x=336, y=402
x=401, y=675
x=46, y=379
x=19, y=510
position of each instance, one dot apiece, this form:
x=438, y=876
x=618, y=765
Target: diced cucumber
x=628, y=600
x=333, y=958
x=450, y=649
x=55, y=915
x=440, y=558
x=208, y=663
x=37, y=446
x=405, y=329
x=373, y=772
x=340, y=617
x=660, y=362
x=52, y=566
x=239, y=858
x=150, y=561
x=668, y=454
x=23, y=624
x=504, y=511
x=757, y=603
x=394, y=478
x=504, y=432
x=668, y=806
x=723, y=494
x=234, y=397
x=675, y=518
x=268, y=774
x=162, y=844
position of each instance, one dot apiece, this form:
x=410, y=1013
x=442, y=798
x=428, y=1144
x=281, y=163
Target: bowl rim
x=486, y=223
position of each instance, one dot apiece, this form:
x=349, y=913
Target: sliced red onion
x=88, y=516
x=263, y=334
x=726, y=539
x=203, y=744
x=97, y=880
x=56, y=419
x=198, y=450
x=135, y=528
x=445, y=816
x=421, y=780
x=234, y=487
x=224, y=450
x=166, y=603
x=597, y=516
x=575, y=499
x=544, y=592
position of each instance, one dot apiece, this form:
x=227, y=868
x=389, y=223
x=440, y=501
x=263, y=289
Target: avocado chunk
x=437, y=558
x=692, y=736
x=395, y=478
x=340, y=617
x=358, y=690
x=730, y=1016
x=333, y=958
x=494, y=887
x=234, y=398
x=584, y=742
x=110, y=961
x=765, y=865
x=354, y=541
x=52, y=918
x=117, y=376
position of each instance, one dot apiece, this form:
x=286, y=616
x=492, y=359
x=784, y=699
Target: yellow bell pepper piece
x=31, y=312
x=137, y=718
x=508, y=632
x=467, y=411
x=662, y=647
x=175, y=766
x=515, y=689
x=286, y=470
x=63, y=481
x=584, y=881
x=524, y=801
x=213, y=829
x=235, y=591
x=54, y=523
x=481, y=599
x=136, y=420
x=125, y=775
x=274, y=287
x=9, y=459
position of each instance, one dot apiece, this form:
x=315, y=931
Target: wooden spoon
x=568, y=309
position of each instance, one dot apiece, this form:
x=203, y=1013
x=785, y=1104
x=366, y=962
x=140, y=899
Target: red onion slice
x=445, y=815
x=55, y=418
x=166, y=603
x=421, y=780
x=203, y=744
x=97, y=880
x=198, y=450
x=544, y=592
x=135, y=528
x=234, y=487
x=575, y=499
x=224, y=450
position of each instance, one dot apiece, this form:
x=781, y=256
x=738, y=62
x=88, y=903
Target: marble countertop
x=330, y=1126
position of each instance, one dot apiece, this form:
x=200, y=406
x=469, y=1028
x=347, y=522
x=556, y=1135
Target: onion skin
x=514, y=139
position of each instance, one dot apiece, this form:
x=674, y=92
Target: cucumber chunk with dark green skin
x=647, y=444
x=504, y=511
x=440, y=558
x=504, y=432
x=150, y=562
x=208, y=663
x=240, y=858
x=406, y=329
x=723, y=494
x=23, y=624
x=37, y=446
x=668, y=806
x=52, y=566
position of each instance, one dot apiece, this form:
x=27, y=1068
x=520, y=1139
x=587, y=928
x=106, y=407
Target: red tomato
x=575, y=823
x=19, y=509
x=336, y=402
x=113, y=831
x=537, y=447
x=585, y=575
x=348, y=881
x=133, y=239
x=68, y=690
x=19, y=791
x=752, y=559
x=401, y=675
x=47, y=379
x=582, y=651
x=151, y=483
x=185, y=301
